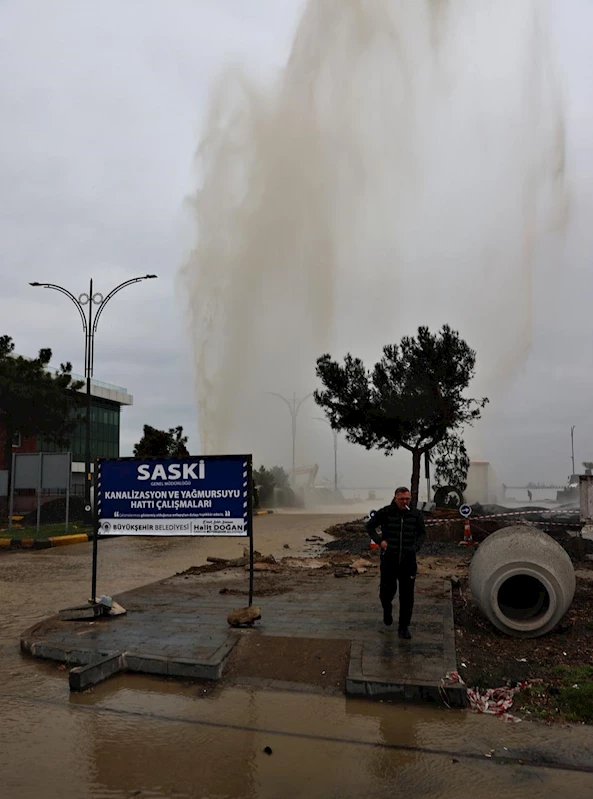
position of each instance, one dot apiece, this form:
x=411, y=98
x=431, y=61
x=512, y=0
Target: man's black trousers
x=403, y=571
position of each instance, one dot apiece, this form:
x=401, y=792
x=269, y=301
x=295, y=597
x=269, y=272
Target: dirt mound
x=443, y=535
x=352, y=538
x=488, y=657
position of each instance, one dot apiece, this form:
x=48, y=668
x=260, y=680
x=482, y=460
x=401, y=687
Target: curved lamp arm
x=306, y=397
x=273, y=394
x=293, y=406
x=113, y=292
x=69, y=295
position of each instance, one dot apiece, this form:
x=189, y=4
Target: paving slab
x=178, y=627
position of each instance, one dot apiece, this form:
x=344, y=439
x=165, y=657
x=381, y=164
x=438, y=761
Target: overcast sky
x=102, y=106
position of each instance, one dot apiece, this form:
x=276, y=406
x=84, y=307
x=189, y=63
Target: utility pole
x=294, y=405
x=335, y=435
x=89, y=326
x=572, y=445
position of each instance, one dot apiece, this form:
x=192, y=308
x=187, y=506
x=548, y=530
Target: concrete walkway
x=177, y=628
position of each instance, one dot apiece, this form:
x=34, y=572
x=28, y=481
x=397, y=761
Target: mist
x=407, y=167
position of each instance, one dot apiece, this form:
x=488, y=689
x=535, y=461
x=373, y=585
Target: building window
x=16, y=440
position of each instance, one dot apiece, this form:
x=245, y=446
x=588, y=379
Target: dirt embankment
x=557, y=667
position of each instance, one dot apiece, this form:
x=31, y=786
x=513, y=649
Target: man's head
x=402, y=497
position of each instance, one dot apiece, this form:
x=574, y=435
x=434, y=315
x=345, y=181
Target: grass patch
x=566, y=695
x=45, y=531
x=576, y=692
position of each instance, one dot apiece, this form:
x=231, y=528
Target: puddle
x=138, y=736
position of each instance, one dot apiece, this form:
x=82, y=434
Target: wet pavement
x=149, y=737
x=177, y=627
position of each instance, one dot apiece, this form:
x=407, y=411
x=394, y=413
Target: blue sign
x=203, y=496
x=466, y=511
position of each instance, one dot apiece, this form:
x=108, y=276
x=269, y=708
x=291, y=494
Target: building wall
x=482, y=484
x=27, y=445
x=105, y=427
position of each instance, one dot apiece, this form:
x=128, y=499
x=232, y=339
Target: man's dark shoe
x=387, y=617
x=404, y=633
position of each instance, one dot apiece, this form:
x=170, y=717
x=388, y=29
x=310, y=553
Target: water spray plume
x=403, y=171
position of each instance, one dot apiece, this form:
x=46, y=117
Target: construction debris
x=244, y=617
x=230, y=562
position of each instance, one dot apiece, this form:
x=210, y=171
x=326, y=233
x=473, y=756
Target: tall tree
x=412, y=398
x=452, y=462
x=162, y=443
x=33, y=400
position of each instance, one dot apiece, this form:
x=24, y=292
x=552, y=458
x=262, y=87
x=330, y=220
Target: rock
x=266, y=559
x=314, y=538
x=116, y=609
x=244, y=616
x=342, y=573
x=361, y=563
x=304, y=563
x=359, y=570
x=286, y=546
x=262, y=566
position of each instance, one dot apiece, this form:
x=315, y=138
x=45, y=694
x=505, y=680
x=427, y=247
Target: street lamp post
x=89, y=326
x=294, y=405
x=335, y=435
x=572, y=445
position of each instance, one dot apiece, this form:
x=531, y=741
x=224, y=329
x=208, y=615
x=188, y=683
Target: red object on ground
x=468, y=541
x=372, y=545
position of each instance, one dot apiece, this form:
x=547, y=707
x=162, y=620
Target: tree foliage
x=451, y=463
x=269, y=482
x=34, y=401
x=161, y=443
x=412, y=398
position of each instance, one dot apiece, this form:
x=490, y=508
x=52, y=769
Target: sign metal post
x=208, y=496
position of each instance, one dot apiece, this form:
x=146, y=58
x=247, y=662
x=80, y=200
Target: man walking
x=403, y=534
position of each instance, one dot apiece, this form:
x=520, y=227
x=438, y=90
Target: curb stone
x=45, y=543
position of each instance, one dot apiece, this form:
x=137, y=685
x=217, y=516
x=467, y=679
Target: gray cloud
x=101, y=107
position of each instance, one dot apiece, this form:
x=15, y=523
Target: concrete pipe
x=522, y=580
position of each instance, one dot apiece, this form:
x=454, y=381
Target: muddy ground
x=557, y=668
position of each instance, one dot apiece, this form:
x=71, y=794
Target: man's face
x=402, y=499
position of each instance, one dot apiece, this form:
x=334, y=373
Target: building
x=483, y=485
x=106, y=403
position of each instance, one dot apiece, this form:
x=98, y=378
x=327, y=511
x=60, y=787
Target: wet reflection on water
x=139, y=736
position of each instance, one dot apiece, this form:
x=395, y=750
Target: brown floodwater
x=145, y=737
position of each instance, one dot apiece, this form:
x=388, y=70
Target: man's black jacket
x=404, y=530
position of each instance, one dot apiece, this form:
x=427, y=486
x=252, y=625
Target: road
x=137, y=736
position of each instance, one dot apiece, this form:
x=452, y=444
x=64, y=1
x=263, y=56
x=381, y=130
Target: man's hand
x=383, y=545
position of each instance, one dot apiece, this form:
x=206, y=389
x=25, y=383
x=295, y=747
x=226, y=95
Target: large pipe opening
x=523, y=598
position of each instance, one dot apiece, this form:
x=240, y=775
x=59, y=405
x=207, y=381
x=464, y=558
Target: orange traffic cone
x=468, y=541
x=372, y=544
